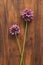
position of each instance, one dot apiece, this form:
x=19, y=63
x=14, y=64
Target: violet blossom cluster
x=27, y=15
x=14, y=30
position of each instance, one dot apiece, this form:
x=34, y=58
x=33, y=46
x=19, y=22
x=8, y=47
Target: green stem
x=18, y=44
x=23, y=45
x=19, y=48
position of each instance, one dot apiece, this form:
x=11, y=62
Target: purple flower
x=14, y=30
x=27, y=15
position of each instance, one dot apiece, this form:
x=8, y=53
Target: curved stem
x=19, y=48
x=23, y=45
x=18, y=44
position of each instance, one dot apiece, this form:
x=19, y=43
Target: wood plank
x=10, y=14
x=41, y=30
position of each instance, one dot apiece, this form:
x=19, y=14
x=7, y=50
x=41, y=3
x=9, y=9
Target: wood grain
x=10, y=14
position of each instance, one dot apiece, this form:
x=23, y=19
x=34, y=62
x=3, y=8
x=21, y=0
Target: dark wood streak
x=1, y=42
x=41, y=4
x=36, y=49
x=5, y=15
x=36, y=52
x=18, y=10
x=6, y=12
x=42, y=44
x=5, y=33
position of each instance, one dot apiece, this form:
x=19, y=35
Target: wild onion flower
x=27, y=15
x=14, y=30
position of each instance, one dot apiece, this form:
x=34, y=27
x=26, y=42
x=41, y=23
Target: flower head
x=27, y=15
x=14, y=30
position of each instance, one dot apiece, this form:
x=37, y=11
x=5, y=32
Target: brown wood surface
x=10, y=14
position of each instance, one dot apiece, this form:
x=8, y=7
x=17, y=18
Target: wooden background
x=10, y=14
